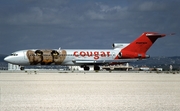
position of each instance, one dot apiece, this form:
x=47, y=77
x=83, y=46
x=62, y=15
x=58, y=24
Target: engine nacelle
x=119, y=45
x=128, y=54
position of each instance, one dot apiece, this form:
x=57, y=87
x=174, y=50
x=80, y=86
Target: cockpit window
x=13, y=54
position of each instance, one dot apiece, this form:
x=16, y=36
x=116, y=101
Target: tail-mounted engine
x=128, y=54
x=119, y=45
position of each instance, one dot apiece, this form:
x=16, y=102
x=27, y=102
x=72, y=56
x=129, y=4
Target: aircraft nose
x=7, y=59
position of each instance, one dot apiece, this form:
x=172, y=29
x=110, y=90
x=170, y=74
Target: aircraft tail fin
x=139, y=47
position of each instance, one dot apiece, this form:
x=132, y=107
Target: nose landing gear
x=21, y=68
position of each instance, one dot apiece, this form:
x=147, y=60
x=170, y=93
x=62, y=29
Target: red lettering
x=96, y=55
x=82, y=53
x=76, y=53
x=103, y=54
x=108, y=54
x=89, y=55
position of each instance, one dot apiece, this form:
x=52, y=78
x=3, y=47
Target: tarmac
x=82, y=91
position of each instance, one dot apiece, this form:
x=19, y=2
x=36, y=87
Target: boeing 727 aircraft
x=121, y=53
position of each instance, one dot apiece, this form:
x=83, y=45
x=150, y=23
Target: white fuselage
x=71, y=55
x=122, y=53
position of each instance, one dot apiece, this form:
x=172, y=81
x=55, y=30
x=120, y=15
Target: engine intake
x=119, y=45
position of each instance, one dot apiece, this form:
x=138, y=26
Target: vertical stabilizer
x=139, y=47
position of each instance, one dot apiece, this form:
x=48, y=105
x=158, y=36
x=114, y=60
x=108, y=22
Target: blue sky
x=50, y=24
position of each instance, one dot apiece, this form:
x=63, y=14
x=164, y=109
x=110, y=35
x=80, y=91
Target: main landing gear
x=96, y=68
x=86, y=68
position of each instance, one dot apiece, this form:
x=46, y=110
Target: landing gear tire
x=21, y=68
x=86, y=68
x=96, y=68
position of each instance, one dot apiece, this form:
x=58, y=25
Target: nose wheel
x=21, y=68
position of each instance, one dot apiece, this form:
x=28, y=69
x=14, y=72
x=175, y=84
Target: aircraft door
x=25, y=56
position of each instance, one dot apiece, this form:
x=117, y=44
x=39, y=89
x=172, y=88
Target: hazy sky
x=50, y=24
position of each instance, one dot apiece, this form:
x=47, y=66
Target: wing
x=102, y=62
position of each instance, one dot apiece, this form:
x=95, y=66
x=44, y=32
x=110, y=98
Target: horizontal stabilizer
x=155, y=35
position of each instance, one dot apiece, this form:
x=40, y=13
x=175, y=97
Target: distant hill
x=163, y=62
x=160, y=60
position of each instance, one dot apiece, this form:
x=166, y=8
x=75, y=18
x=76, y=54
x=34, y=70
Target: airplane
x=121, y=53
